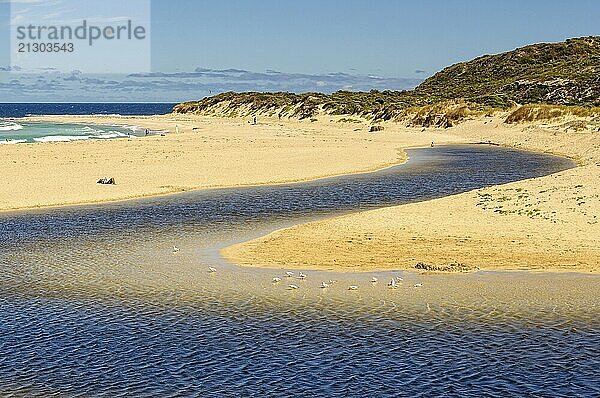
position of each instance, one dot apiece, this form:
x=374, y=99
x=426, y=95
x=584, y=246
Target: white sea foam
x=133, y=128
x=11, y=127
x=88, y=129
x=40, y=132
x=110, y=134
x=62, y=138
x=67, y=138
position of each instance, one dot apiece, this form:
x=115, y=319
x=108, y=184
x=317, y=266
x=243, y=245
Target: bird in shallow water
x=175, y=249
x=293, y=287
x=302, y=275
x=374, y=279
x=352, y=287
x=418, y=284
x=276, y=279
x=289, y=274
x=325, y=285
x=393, y=284
x=212, y=269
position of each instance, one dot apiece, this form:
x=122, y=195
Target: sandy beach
x=548, y=223
x=207, y=152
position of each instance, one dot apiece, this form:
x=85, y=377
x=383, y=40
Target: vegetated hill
x=374, y=104
x=566, y=73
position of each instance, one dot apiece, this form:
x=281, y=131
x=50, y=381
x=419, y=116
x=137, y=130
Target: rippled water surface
x=95, y=302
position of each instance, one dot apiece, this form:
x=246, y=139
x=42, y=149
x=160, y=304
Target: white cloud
x=176, y=87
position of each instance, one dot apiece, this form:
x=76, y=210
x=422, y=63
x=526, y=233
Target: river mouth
x=94, y=300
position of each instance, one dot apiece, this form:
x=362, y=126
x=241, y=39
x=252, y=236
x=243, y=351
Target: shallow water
x=93, y=301
x=17, y=132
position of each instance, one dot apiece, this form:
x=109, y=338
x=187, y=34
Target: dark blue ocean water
x=25, y=109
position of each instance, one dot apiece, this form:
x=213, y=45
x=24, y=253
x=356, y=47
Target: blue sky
x=315, y=45
x=382, y=37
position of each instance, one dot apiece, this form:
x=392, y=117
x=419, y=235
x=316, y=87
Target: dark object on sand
x=375, y=128
x=106, y=181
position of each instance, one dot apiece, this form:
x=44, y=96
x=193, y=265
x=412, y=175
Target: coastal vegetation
x=566, y=73
x=535, y=112
x=550, y=79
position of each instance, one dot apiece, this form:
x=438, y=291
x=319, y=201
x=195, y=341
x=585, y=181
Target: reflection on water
x=93, y=301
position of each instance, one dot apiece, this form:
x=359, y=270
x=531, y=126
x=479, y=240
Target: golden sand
x=207, y=152
x=548, y=223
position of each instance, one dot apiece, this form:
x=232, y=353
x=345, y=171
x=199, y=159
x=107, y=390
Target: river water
x=94, y=301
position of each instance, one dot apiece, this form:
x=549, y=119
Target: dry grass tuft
x=443, y=114
x=534, y=112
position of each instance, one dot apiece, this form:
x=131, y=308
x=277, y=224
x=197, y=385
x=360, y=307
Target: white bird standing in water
x=289, y=274
x=293, y=287
x=175, y=249
x=276, y=279
x=374, y=279
x=352, y=287
x=325, y=285
x=302, y=275
x=393, y=284
x=418, y=284
x=212, y=269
